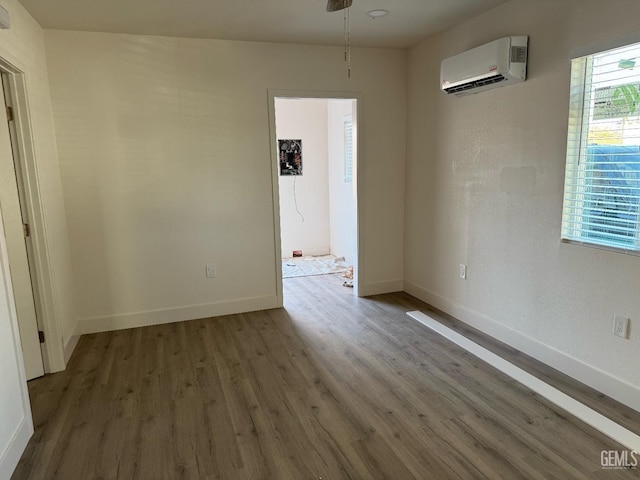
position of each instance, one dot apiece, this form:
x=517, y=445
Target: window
x=602, y=180
x=348, y=149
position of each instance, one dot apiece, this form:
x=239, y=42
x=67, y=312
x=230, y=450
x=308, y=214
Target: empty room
x=472, y=168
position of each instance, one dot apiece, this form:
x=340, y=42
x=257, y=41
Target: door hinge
x=10, y=114
x=27, y=229
x=41, y=336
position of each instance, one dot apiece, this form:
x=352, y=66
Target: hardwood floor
x=331, y=387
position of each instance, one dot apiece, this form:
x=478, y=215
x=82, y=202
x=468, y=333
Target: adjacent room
x=337, y=239
x=317, y=161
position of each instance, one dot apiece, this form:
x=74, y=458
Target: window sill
x=625, y=251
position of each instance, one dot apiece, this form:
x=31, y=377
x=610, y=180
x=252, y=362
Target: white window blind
x=348, y=150
x=602, y=179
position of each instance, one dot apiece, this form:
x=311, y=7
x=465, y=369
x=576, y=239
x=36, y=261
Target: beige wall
x=484, y=187
x=305, y=119
x=23, y=47
x=342, y=195
x=164, y=145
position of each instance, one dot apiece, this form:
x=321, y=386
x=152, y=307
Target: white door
x=14, y=233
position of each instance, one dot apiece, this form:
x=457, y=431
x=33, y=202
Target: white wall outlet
x=620, y=326
x=210, y=271
x=463, y=271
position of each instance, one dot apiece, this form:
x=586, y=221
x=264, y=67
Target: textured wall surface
x=484, y=187
x=164, y=146
x=305, y=119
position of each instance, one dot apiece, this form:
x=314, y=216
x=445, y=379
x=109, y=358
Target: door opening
x=315, y=139
x=18, y=237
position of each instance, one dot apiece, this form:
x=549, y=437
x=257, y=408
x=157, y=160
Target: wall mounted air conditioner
x=495, y=64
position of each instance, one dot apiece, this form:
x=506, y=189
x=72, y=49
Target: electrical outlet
x=620, y=326
x=463, y=271
x=210, y=271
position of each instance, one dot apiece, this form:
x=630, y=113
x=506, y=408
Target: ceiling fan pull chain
x=345, y=32
x=333, y=6
x=348, y=43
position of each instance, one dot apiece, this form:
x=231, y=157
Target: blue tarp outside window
x=612, y=194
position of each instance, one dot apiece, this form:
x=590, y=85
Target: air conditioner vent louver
x=475, y=84
x=494, y=64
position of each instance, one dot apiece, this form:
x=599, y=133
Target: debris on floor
x=349, y=272
x=318, y=265
x=349, y=276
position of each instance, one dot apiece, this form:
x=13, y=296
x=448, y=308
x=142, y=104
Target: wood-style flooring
x=331, y=387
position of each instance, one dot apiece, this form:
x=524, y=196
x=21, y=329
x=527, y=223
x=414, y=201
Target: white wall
x=305, y=119
x=23, y=47
x=484, y=187
x=342, y=194
x=164, y=145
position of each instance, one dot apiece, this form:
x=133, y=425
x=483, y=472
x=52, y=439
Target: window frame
x=576, y=195
x=348, y=148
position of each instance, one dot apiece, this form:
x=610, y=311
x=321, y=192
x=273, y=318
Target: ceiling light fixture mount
x=378, y=13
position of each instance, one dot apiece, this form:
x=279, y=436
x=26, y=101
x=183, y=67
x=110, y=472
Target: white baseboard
x=171, y=315
x=378, y=288
x=598, y=421
x=11, y=456
x=70, y=345
x=601, y=381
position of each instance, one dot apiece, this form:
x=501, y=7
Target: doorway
x=18, y=236
x=315, y=145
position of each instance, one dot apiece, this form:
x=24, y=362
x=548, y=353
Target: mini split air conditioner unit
x=495, y=64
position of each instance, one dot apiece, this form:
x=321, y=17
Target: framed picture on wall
x=290, y=157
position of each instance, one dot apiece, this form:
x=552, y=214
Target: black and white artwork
x=290, y=157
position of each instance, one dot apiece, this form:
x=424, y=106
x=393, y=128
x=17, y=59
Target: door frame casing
x=53, y=355
x=311, y=94
x=19, y=249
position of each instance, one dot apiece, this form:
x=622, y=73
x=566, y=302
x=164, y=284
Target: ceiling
x=285, y=21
